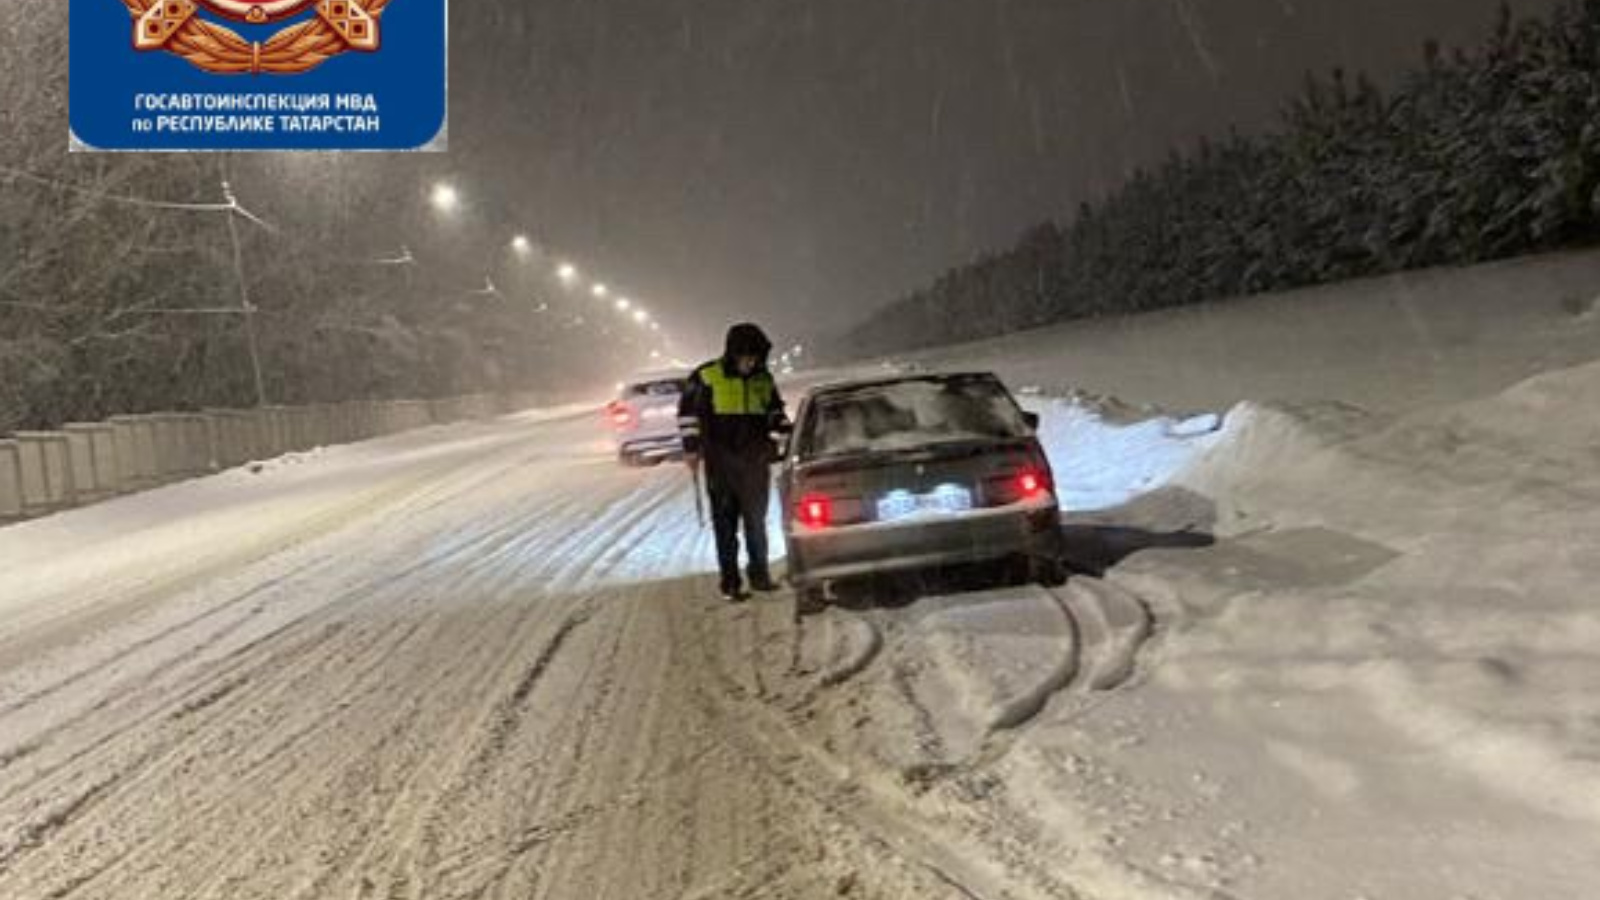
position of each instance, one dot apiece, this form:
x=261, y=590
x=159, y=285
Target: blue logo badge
x=258, y=74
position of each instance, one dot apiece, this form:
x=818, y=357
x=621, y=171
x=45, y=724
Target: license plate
x=943, y=500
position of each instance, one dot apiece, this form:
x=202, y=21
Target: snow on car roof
x=858, y=384
x=658, y=375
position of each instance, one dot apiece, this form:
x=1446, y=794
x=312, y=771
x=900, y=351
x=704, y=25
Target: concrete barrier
x=312, y=434
x=46, y=467
x=247, y=428
x=353, y=420
x=43, y=472
x=274, y=433
x=320, y=429
x=346, y=421
x=11, y=506
x=294, y=428
x=107, y=462
x=197, y=437
x=197, y=443
x=227, y=438
x=368, y=415
x=172, y=462
x=389, y=417
x=337, y=416
x=96, y=471
x=80, y=462
x=258, y=433
x=282, y=431
x=136, y=451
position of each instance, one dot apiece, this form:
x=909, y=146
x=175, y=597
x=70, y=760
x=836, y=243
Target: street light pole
x=245, y=306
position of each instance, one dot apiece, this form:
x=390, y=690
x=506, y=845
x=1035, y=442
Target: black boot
x=732, y=590
x=762, y=583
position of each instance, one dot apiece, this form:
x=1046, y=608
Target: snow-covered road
x=484, y=661
x=475, y=663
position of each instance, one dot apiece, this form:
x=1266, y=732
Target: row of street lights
x=447, y=200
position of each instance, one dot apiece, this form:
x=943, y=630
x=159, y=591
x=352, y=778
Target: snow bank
x=1378, y=682
x=1439, y=568
x=1104, y=455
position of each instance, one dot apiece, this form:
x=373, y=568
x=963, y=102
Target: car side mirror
x=1031, y=419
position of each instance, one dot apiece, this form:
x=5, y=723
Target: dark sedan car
x=912, y=472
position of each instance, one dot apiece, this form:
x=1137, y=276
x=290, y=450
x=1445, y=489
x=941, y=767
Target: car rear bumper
x=832, y=554
x=651, y=445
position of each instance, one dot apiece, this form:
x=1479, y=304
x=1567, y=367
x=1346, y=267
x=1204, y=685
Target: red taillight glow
x=621, y=416
x=814, y=511
x=1033, y=485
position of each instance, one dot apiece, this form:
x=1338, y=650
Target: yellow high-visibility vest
x=735, y=396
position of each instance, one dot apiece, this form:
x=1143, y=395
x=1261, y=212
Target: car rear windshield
x=661, y=388
x=904, y=415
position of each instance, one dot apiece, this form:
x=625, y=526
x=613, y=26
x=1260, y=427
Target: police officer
x=728, y=415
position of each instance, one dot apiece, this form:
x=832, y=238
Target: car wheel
x=809, y=600
x=1049, y=571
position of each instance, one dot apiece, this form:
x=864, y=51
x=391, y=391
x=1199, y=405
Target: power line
x=125, y=199
x=231, y=205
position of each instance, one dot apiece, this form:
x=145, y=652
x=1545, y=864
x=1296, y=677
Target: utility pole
x=246, y=308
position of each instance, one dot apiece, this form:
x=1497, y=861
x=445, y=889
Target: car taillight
x=621, y=416
x=814, y=511
x=1033, y=485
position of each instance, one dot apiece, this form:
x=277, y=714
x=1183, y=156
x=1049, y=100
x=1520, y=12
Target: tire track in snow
x=873, y=811
x=511, y=552
x=508, y=542
x=319, y=565
x=595, y=541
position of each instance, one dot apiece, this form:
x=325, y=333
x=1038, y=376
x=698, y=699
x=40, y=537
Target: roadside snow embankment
x=1106, y=454
x=1430, y=581
x=1369, y=674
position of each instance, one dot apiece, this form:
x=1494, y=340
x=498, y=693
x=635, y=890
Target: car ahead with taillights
x=912, y=472
x=644, y=418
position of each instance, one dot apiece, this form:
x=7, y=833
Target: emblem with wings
x=336, y=26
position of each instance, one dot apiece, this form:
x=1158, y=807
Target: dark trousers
x=739, y=496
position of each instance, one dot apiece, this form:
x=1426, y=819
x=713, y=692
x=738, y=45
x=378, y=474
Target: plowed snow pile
x=1382, y=681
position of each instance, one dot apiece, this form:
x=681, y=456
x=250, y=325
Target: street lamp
x=623, y=304
x=641, y=316
x=568, y=273
x=445, y=198
x=601, y=291
x=522, y=245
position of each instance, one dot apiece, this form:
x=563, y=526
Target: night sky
x=799, y=161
